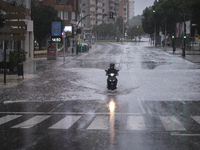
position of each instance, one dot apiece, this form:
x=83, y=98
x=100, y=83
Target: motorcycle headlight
x=112, y=74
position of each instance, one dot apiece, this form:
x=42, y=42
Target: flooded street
x=66, y=105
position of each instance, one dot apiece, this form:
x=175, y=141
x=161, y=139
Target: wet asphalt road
x=67, y=106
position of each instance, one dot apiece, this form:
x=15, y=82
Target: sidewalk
x=37, y=65
x=190, y=55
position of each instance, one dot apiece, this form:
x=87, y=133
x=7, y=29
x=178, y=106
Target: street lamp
x=64, y=35
x=82, y=24
x=183, y=49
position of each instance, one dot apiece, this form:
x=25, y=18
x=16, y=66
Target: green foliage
x=14, y=57
x=174, y=11
x=135, y=31
x=105, y=29
x=42, y=17
x=2, y=20
x=135, y=21
x=110, y=29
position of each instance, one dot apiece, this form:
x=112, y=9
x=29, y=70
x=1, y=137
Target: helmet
x=112, y=65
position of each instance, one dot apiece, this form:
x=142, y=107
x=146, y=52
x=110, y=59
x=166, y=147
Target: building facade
x=69, y=11
x=131, y=9
x=124, y=10
x=96, y=9
x=27, y=44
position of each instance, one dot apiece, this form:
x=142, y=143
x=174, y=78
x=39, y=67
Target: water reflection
x=112, y=106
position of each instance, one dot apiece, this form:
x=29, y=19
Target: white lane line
x=171, y=123
x=135, y=123
x=67, y=113
x=147, y=107
x=177, y=134
x=196, y=118
x=8, y=118
x=99, y=123
x=15, y=101
x=31, y=122
x=141, y=106
x=65, y=123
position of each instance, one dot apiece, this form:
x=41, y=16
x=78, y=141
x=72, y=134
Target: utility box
x=20, y=69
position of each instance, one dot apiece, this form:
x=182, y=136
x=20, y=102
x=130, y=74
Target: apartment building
x=124, y=10
x=131, y=9
x=96, y=9
x=26, y=44
x=68, y=10
x=110, y=6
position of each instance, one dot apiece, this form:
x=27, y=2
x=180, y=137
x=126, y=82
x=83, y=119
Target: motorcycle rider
x=112, y=70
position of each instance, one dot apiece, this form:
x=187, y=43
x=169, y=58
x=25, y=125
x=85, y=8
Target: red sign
x=51, y=48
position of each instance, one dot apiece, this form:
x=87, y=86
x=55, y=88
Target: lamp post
x=64, y=35
x=82, y=24
x=183, y=49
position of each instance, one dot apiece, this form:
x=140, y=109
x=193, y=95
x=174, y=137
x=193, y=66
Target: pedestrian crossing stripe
x=170, y=123
x=32, y=122
x=65, y=123
x=99, y=123
x=135, y=123
x=8, y=118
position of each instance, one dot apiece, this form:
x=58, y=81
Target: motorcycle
x=112, y=80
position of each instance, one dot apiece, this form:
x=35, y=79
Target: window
x=83, y=4
x=61, y=2
x=60, y=14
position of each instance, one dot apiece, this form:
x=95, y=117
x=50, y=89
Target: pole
x=64, y=47
x=64, y=35
x=5, y=47
x=183, y=49
x=123, y=23
x=154, y=32
x=165, y=32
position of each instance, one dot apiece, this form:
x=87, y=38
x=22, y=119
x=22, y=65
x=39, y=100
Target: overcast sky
x=140, y=5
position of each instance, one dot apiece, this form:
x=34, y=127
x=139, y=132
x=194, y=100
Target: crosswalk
x=100, y=122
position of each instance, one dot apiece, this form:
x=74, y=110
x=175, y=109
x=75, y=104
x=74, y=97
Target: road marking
x=8, y=118
x=15, y=101
x=196, y=118
x=31, y=122
x=177, y=134
x=65, y=123
x=135, y=123
x=99, y=123
x=141, y=106
x=171, y=123
x=67, y=113
x=147, y=107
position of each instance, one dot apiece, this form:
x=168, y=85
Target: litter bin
x=20, y=69
x=79, y=48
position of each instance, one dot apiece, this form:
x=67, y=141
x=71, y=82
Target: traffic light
x=78, y=31
x=184, y=35
x=172, y=36
x=154, y=9
x=111, y=15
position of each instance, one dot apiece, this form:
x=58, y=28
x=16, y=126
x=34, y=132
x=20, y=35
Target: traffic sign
x=18, y=37
x=5, y=37
x=15, y=23
x=14, y=9
x=15, y=16
x=6, y=29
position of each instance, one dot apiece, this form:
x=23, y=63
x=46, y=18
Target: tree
x=135, y=31
x=42, y=17
x=135, y=21
x=173, y=10
x=195, y=14
x=2, y=20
